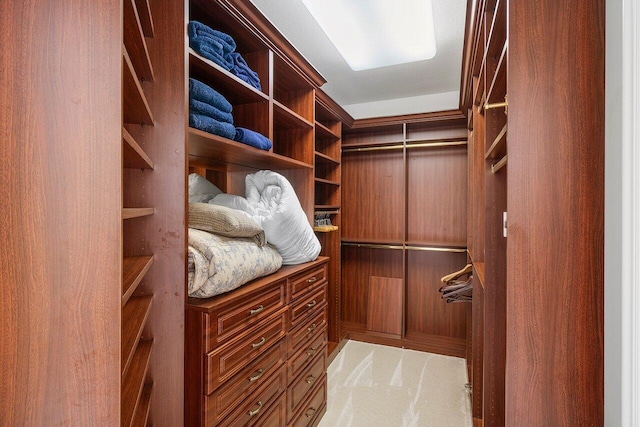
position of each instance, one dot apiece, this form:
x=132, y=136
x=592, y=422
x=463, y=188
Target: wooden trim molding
x=441, y=117
x=331, y=105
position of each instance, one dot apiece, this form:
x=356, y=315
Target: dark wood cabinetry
x=258, y=354
x=404, y=227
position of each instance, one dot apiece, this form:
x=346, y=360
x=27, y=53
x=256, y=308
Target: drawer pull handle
x=256, y=376
x=312, y=351
x=255, y=411
x=259, y=343
x=312, y=327
x=256, y=310
x=310, y=412
x=312, y=280
x=311, y=304
x=310, y=379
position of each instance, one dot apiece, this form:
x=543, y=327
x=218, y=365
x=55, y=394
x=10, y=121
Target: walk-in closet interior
x=148, y=146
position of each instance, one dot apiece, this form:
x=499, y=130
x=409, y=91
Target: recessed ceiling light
x=377, y=33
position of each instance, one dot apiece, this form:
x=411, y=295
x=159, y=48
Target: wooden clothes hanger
x=449, y=277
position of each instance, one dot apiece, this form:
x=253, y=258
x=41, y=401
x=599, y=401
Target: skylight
x=377, y=33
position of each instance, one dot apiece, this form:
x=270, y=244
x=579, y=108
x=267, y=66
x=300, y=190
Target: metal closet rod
x=410, y=145
x=407, y=247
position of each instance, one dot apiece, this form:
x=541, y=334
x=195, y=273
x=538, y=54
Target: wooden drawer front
x=299, y=361
x=232, y=318
x=276, y=414
x=300, y=389
x=256, y=405
x=250, y=377
x=312, y=410
x=302, y=283
x=300, y=336
x=313, y=301
x=227, y=360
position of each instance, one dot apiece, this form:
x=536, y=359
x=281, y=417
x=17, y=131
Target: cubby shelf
x=134, y=317
x=323, y=158
x=498, y=89
x=133, y=156
x=498, y=147
x=208, y=146
x=146, y=21
x=233, y=88
x=286, y=118
x=142, y=411
x=135, y=43
x=129, y=213
x=323, y=132
x=135, y=108
x=134, y=269
x=326, y=181
x=133, y=383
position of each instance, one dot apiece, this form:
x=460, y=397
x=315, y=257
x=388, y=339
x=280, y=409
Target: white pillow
x=201, y=190
x=234, y=202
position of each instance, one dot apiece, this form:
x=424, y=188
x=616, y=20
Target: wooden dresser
x=258, y=355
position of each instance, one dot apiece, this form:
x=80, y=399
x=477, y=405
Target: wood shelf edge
x=131, y=83
x=130, y=213
x=134, y=318
x=290, y=114
x=133, y=382
x=134, y=156
x=133, y=271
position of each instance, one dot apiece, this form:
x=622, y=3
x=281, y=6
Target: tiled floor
x=372, y=385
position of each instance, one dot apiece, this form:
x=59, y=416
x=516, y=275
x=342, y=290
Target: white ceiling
x=429, y=85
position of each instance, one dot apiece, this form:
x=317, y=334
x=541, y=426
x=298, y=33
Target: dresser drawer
x=301, y=335
x=301, y=359
x=308, y=304
x=226, y=321
x=229, y=359
x=275, y=415
x=231, y=392
x=300, y=389
x=257, y=404
x=312, y=410
x=303, y=282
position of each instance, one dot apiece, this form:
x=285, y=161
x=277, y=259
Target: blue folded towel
x=212, y=44
x=207, y=124
x=201, y=92
x=242, y=70
x=205, y=109
x=252, y=138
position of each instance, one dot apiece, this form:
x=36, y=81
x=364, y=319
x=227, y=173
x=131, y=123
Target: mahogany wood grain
x=358, y=265
x=303, y=386
x=454, y=117
x=133, y=156
x=60, y=256
x=134, y=317
x=133, y=271
x=373, y=195
x=555, y=273
x=437, y=195
x=276, y=415
x=135, y=43
x=254, y=116
x=384, y=305
x=136, y=109
x=133, y=382
x=130, y=213
x=327, y=107
x=426, y=311
x=146, y=20
x=163, y=234
x=373, y=136
x=429, y=131
x=312, y=410
x=477, y=332
x=141, y=416
x=295, y=143
x=477, y=189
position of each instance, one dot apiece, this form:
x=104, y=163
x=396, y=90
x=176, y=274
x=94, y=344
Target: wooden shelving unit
x=133, y=155
x=135, y=107
x=133, y=271
x=134, y=316
x=133, y=384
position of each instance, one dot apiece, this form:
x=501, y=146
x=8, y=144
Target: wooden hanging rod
x=335, y=212
x=407, y=247
x=499, y=164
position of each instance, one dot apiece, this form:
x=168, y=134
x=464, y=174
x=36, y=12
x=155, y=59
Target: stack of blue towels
x=220, y=48
x=210, y=112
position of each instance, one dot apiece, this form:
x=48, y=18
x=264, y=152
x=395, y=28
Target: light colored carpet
x=373, y=385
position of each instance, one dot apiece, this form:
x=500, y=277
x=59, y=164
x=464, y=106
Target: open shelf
x=134, y=317
x=135, y=108
x=146, y=21
x=134, y=269
x=326, y=181
x=285, y=118
x=323, y=158
x=133, y=156
x=209, y=146
x=499, y=145
x=235, y=90
x=326, y=207
x=325, y=228
x=135, y=43
x=133, y=383
x=498, y=89
x=365, y=242
x=323, y=132
x=495, y=168
x=142, y=411
x=129, y=213
x=498, y=33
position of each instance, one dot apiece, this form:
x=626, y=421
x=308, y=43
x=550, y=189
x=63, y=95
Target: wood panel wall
x=60, y=174
x=554, y=366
